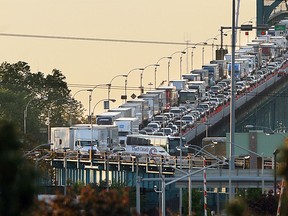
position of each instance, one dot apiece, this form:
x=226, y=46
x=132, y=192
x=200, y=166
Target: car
x=169, y=116
x=239, y=88
x=149, y=130
x=176, y=111
x=161, y=118
x=196, y=114
x=189, y=119
x=223, y=84
x=143, y=132
x=216, y=89
x=173, y=127
x=251, y=79
x=154, y=125
x=167, y=131
x=184, y=109
x=223, y=98
x=158, y=133
x=206, y=106
x=181, y=124
x=201, y=110
x=215, y=101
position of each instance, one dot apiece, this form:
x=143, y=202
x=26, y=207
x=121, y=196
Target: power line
x=100, y=39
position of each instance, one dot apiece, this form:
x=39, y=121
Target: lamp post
x=138, y=181
x=26, y=111
x=181, y=57
x=192, y=57
x=205, y=43
x=109, y=85
x=125, y=88
x=113, y=100
x=70, y=114
x=141, y=76
x=255, y=153
x=155, y=76
x=232, y=103
x=163, y=188
x=199, y=150
x=39, y=146
x=169, y=62
x=262, y=162
x=90, y=98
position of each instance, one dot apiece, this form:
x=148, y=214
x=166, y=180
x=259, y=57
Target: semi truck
x=126, y=126
x=200, y=86
x=222, y=67
x=125, y=111
x=179, y=84
x=141, y=110
x=153, y=102
x=213, y=73
x=171, y=97
x=204, y=74
x=83, y=137
x=107, y=118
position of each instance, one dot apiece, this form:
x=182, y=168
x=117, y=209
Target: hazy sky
x=95, y=62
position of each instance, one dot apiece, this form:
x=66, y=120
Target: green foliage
x=21, y=89
x=237, y=207
x=17, y=177
x=89, y=201
x=197, y=202
x=283, y=163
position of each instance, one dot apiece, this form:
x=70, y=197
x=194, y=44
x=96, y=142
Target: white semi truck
x=126, y=126
x=82, y=137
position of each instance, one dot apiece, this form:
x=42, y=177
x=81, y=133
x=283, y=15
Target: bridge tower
x=264, y=10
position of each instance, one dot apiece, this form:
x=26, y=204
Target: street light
x=106, y=100
x=109, y=85
x=141, y=76
x=41, y=145
x=90, y=98
x=166, y=57
x=70, y=114
x=199, y=150
x=138, y=181
x=205, y=43
x=163, y=187
x=169, y=62
x=26, y=111
x=192, y=57
x=125, y=88
x=255, y=153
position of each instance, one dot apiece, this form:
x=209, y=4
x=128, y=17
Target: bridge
x=269, y=11
x=252, y=98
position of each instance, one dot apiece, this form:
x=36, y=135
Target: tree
x=89, y=201
x=17, y=176
x=19, y=85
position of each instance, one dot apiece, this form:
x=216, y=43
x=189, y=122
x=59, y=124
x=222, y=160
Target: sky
x=87, y=63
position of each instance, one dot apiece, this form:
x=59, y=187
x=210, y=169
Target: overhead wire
x=100, y=39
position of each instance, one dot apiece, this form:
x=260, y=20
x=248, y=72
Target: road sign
x=246, y=27
x=133, y=96
x=280, y=27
